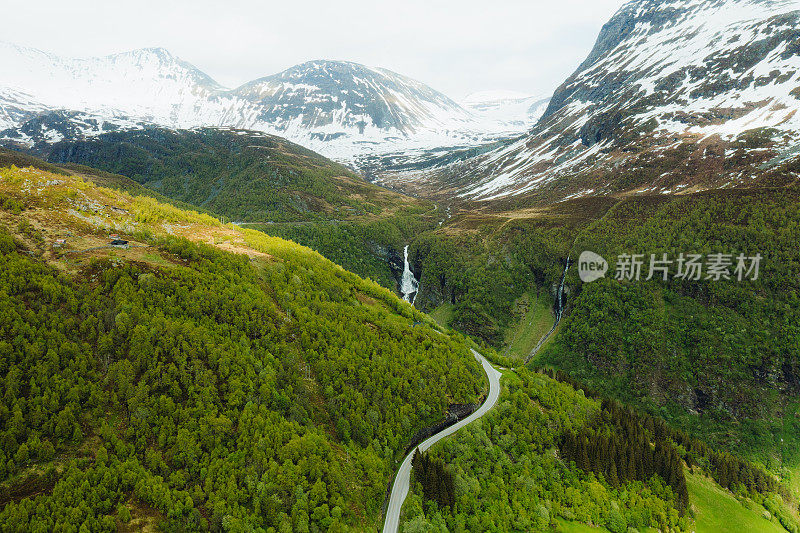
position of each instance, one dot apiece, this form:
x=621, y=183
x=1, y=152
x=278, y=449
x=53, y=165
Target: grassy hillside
x=532, y=319
x=243, y=175
x=717, y=511
x=264, y=182
x=10, y=158
x=206, y=376
x=369, y=244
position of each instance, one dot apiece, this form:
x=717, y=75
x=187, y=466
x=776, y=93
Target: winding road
x=402, y=479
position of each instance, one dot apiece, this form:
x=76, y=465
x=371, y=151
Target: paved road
x=402, y=480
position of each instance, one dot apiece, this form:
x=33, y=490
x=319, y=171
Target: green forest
x=242, y=175
x=198, y=389
x=554, y=453
x=508, y=476
x=204, y=328
x=718, y=358
x=214, y=391
x=365, y=247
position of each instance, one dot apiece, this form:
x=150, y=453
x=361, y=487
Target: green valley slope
x=243, y=175
x=258, y=180
x=717, y=359
x=204, y=376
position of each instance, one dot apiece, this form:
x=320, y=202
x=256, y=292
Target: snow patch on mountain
x=341, y=109
x=685, y=71
x=515, y=109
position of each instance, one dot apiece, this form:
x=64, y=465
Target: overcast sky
x=457, y=47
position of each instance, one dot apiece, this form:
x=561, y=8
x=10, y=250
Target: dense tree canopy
x=510, y=472
x=215, y=391
x=243, y=175
x=725, y=350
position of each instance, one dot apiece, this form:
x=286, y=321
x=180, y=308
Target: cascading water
x=408, y=283
x=560, y=294
x=559, y=303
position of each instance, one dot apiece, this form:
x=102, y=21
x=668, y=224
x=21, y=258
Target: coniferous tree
x=613, y=479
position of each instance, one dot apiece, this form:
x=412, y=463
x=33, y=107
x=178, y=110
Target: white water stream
x=408, y=283
x=559, y=309
x=560, y=295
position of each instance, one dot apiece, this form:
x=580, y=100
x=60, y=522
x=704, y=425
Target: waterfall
x=408, y=283
x=559, y=303
x=560, y=294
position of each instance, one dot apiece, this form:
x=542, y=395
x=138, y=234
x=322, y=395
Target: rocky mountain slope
x=676, y=95
x=340, y=96
x=341, y=109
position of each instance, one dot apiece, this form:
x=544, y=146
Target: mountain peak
x=325, y=63
x=667, y=96
x=340, y=108
x=158, y=52
x=341, y=96
x=331, y=69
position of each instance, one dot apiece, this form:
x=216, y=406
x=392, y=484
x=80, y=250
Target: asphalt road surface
x=402, y=480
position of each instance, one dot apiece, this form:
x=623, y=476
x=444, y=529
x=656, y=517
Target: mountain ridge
x=674, y=96
x=342, y=109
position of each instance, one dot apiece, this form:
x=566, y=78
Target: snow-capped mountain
x=676, y=95
x=333, y=97
x=341, y=109
x=150, y=84
x=350, y=111
x=39, y=133
x=18, y=107
x=511, y=107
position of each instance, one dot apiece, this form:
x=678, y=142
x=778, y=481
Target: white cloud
x=457, y=47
